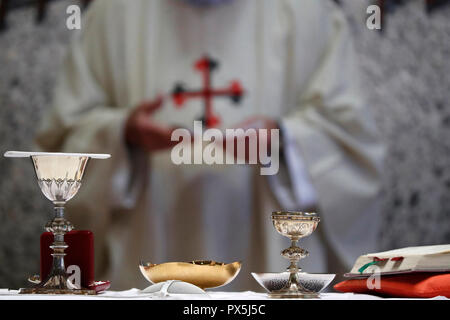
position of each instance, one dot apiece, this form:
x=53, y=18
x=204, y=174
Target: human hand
x=142, y=131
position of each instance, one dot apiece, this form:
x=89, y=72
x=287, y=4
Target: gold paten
x=203, y=274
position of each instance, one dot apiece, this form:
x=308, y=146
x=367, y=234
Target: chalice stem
x=58, y=246
x=59, y=226
x=293, y=281
x=293, y=268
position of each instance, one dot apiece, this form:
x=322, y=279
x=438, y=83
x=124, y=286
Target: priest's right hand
x=142, y=131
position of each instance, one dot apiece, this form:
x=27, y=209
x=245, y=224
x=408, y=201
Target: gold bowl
x=203, y=274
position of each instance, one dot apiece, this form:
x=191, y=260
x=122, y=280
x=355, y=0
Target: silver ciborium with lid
x=59, y=177
x=294, y=225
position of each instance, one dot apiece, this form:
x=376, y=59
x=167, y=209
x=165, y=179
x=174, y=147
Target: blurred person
x=296, y=63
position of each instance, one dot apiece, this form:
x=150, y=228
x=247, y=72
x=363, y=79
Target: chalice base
x=56, y=291
x=55, y=284
x=292, y=294
x=294, y=290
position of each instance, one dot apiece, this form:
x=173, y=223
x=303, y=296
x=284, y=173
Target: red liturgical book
x=79, y=253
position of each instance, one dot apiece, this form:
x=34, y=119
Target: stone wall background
x=405, y=74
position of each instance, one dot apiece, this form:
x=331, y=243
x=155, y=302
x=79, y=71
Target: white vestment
x=295, y=62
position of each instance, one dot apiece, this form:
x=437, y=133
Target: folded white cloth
x=173, y=287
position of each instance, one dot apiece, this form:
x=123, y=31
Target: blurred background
x=405, y=71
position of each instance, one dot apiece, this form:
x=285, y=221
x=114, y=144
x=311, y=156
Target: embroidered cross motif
x=205, y=66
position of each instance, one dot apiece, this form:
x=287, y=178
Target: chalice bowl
x=294, y=225
x=59, y=177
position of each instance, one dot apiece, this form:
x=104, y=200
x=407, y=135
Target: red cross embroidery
x=205, y=66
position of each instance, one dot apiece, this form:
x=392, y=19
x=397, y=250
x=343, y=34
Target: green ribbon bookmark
x=364, y=267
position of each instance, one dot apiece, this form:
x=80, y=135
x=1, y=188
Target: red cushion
x=80, y=252
x=413, y=285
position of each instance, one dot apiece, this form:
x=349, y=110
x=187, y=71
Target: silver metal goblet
x=294, y=225
x=59, y=177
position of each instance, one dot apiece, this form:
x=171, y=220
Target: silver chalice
x=59, y=177
x=294, y=225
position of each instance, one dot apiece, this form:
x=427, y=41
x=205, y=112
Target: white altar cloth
x=136, y=294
